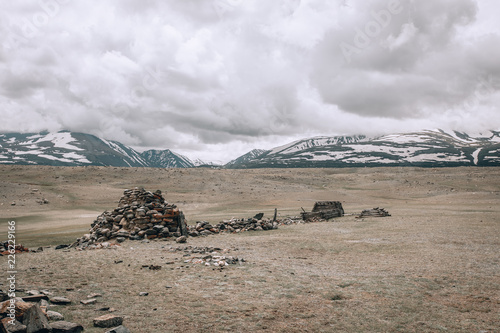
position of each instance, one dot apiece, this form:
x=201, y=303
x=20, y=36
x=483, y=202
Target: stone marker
x=108, y=320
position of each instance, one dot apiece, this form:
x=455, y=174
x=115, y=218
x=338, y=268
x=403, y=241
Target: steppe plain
x=433, y=266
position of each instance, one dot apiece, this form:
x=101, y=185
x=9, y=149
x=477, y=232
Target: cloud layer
x=213, y=79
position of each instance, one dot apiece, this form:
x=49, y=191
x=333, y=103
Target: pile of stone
x=140, y=215
x=203, y=228
x=324, y=210
x=375, y=212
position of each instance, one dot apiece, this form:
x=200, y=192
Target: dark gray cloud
x=216, y=78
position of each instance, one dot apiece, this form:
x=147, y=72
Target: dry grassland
x=433, y=266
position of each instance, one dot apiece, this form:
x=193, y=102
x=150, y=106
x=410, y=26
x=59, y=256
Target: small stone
x=33, y=292
x=54, y=316
x=89, y=301
x=62, y=246
x=182, y=239
x=143, y=293
x=66, y=327
x=94, y=295
x=108, y=320
x=120, y=239
x=119, y=329
x=60, y=300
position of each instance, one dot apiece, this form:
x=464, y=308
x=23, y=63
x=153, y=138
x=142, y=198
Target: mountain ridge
x=426, y=148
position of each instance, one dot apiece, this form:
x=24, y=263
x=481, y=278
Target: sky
x=213, y=79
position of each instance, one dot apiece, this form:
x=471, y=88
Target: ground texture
x=433, y=266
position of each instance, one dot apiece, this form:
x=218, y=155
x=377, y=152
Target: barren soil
x=433, y=266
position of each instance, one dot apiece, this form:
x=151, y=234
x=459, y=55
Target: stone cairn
x=140, y=215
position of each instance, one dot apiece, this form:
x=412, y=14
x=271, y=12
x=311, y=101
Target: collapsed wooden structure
x=324, y=210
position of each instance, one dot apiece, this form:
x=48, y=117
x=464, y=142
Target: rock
x=54, y=316
x=89, y=301
x=62, y=246
x=120, y=239
x=16, y=327
x=259, y=216
x=119, y=329
x=36, y=321
x=108, y=320
x=46, y=292
x=33, y=292
x=20, y=306
x=60, y=300
x=66, y=327
x=143, y=293
x=181, y=239
x=94, y=295
x=35, y=298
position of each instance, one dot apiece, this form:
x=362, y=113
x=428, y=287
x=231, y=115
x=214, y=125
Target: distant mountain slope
x=425, y=148
x=251, y=155
x=166, y=159
x=66, y=148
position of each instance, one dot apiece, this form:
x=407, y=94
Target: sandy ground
x=433, y=266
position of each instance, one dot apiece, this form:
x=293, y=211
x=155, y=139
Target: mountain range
x=427, y=148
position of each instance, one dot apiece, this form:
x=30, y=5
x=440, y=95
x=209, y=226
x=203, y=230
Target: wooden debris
x=375, y=212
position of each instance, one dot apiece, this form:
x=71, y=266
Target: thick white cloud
x=216, y=78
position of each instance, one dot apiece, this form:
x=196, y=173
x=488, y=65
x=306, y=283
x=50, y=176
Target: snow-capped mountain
x=66, y=148
x=251, y=155
x=166, y=159
x=425, y=148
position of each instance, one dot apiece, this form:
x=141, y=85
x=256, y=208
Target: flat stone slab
x=66, y=327
x=108, y=320
x=60, y=300
x=119, y=329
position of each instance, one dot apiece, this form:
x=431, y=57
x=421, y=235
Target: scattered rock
x=66, y=327
x=60, y=300
x=119, y=329
x=62, y=246
x=108, y=320
x=89, y=301
x=54, y=316
x=143, y=293
x=182, y=239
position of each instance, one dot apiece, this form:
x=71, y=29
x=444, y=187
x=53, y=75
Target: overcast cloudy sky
x=216, y=78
